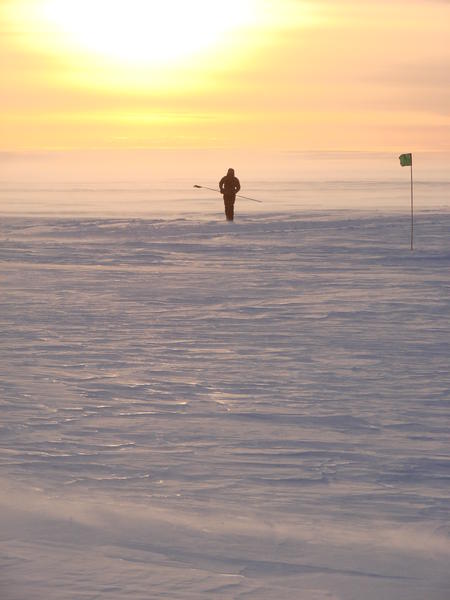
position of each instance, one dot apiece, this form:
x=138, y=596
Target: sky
x=244, y=75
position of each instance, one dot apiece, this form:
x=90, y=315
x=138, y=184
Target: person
x=229, y=186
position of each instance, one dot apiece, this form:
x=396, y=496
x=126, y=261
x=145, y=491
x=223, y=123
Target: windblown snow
x=194, y=409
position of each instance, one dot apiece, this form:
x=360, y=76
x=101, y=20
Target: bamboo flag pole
x=218, y=191
x=406, y=161
x=412, y=208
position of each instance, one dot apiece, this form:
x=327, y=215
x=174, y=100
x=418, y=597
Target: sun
x=151, y=32
x=154, y=46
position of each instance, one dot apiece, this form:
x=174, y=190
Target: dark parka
x=229, y=186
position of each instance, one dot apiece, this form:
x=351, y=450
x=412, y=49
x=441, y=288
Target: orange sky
x=284, y=75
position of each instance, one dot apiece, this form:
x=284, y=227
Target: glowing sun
x=154, y=32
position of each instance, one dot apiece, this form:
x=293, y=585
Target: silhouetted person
x=229, y=187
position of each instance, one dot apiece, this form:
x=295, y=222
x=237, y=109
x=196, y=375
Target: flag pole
x=412, y=208
x=406, y=160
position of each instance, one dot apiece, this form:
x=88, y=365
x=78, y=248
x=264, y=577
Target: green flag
x=406, y=160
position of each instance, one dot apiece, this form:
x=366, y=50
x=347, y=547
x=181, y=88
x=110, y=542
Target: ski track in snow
x=195, y=409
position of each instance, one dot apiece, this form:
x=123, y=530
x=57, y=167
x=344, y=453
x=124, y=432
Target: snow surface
x=194, y=409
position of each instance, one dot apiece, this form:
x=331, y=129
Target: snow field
x=195, y=409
